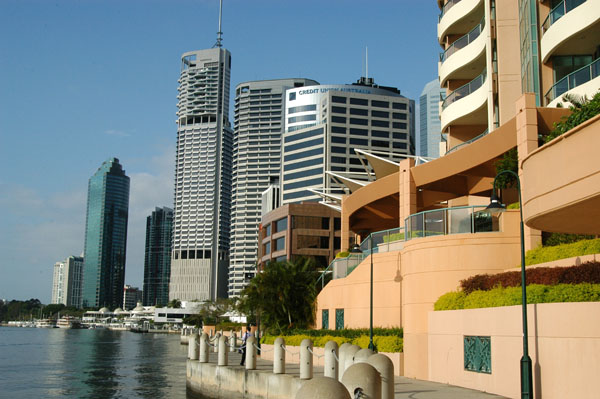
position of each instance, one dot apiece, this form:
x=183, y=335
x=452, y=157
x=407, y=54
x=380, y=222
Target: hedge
x=562, y=251
x=510, y=296
x=388, y=343
x=588, y=272
x=347, y=332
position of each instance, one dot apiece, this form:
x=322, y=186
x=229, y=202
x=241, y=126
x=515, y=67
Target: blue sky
x=83, y=81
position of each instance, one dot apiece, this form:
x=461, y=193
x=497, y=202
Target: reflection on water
x=57, y=363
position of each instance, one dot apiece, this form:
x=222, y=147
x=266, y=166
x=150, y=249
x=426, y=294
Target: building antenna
x=367, y=62
x=219, y=33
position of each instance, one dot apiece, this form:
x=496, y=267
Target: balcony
x=457, y=147
x=458, y=17
x=470, y=56
x=467, y=104
x=457, y=220
x=572, y=27
x=584, y=81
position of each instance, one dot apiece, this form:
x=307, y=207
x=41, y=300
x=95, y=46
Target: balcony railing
x=574, y=79
x=559, y=11
x=463, y=41
x=464, y=90
x=458, y=220
x=446, y=7
x=381, y=240
x=456, y=147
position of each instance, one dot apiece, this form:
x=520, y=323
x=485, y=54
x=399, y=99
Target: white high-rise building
x=429, y=119
x=258, y=126
x=66, y=284
x=203, y=167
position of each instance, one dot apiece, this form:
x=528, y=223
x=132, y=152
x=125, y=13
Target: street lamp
x=496, y=206
x=356, y=249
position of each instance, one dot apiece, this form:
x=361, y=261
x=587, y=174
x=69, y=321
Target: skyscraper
x=258, y=126
x=200, y=255
x=106, y=236
x=66, y=285
x=429, y=118
x=157, y=260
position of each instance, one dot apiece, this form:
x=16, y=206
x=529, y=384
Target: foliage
x=582, y=109
x=283, y=294
x=229, y=325
x=510, y=296
x=509, y=161
x=586, y=273
x=20, y=310
x=388, y=343
x=393, y=237
x=514, y=205
x=193, y=320
x=342, y=254
x=552, y=239
x=174, y=303
x=347, y=332
x=562, y=251
x=212, y=311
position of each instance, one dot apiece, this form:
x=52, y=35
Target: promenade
x=404, y=387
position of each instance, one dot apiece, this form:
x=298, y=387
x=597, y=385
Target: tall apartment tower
x=203, y=167
x=429, y=120
x=157, y=259
x=258, y=126
x=106, y=236
x=66, y=285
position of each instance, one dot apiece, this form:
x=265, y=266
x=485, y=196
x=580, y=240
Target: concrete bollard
x=250, y=353
x=193, y=347
x=362, y=378
x=342, y=356
x=232, y=341
x=306, y=359
x=222, y=347
x=349, y=361
x=330, y=368
x=216, y=342
x=203, y=357
x=279, y=356
x=322, y=388
x=385, y=367
x=363, y=355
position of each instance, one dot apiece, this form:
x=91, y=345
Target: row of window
x=365, y=112
x=365, y=102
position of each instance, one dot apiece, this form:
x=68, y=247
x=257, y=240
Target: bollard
x=362, y=378
x=330, y=368
x=203, y=357
x=362, y=355
x=232, y=341
x=193, y=347
x=342, y=356
x=222, y=348
x=250, y=353
x=349, y=361
x=322, y=388
x=385, y=367
x=306, y=359
x=216, y=342
x=279, y=356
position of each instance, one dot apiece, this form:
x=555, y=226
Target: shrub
x=552, y=239
x=562, y=251
x=393, y=237
x=583, y=109
x=450, y=301
x=383, y=343
x=346, y=332
x=342, y=254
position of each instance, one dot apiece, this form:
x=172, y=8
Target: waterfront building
x=325, y=123
x=258, y=127
x=203, y=167
x=67, y=280
x=429, y=120
x=106, y=236
x=131, y=297
x=157, y=258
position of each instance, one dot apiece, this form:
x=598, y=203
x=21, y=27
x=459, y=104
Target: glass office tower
x=157, y=261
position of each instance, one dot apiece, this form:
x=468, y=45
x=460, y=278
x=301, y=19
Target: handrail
x=559, y=11
x=464, y=90
x=463, y=41
x=456, y=147
x=574, y=79
x=446, y=7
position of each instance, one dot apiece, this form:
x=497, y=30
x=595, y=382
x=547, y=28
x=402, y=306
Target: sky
x=82, y=81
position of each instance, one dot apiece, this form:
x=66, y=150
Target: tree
x=174, y=303
x=284, y=295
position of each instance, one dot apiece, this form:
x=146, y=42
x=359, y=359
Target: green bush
x=450, y=301
x=346, y=332
x=552, y=239
x=393, y=237
x=342, y=254
x=514, y=205
x=562, y=251
x=583, y=109
x=383, y=343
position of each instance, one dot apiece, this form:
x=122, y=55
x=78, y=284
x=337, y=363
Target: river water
x=61, y=363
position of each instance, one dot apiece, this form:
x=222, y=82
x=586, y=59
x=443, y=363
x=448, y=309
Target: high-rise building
x=131, y=297
x=429, y=120
x=106, y=236
x=157, y=259
x=66, y=285
x=324, y=124
x=203, y=167
x=258, y=127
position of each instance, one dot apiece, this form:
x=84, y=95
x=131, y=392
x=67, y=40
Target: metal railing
x=381, y=240
x=574, y=79
x=559, y=11
x=463, y=41
x=464, y=90
x=446, y=7
x=457, y=220
x=456, y=147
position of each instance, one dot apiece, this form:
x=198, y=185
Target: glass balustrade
x=456, y=147
x=447, y=7
x=559, y=11
x=574, y=79
x=463, y=41
x=464, y=90
x=458, y=220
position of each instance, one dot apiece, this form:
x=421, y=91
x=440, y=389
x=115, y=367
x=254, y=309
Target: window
x=338, y=99
x=380, y=114
x=338, y=119
x=380, y=133
x=281, y=225
x=303, y=154
x=401, y=146
x=268, y=230
x=289, y=138
x=399, y=115
x=339, y=140
x=359, y=101
x=302, y=108
x=357, y=121
x=292, y=96
x=338, y=110
x=399, y=125
x=303, y=183
x=267, y=248
x=378, y=123
x=338, y=129
x=302, y=118
x=379, y=143
x=280, y=243
x=380, y=104
x=358, y=131
x=338, y=150
x=358, y=111
x=303, y=164
x=339, y=319
x=325, y=319
x=338, y=160
x=401, y=136
x=359, y=141
x=304, y=173
x=399, y=106
x=304, y=144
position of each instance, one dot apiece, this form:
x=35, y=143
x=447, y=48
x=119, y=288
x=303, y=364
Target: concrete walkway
x=404, y=387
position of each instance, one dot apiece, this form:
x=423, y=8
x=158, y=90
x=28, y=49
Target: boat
x=45, y=323
x=68, y=322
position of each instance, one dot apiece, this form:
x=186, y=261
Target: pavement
x=404, y=387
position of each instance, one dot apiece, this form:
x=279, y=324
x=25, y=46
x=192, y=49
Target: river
x=62, y=363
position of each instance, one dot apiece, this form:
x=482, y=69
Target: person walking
x=244, y=343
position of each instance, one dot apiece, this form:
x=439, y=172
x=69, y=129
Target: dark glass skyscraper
x=106, y=236
x=157, y=261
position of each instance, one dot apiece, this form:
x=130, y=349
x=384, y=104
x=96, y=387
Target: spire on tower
x=219, y=33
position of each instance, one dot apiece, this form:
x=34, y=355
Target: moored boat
x=45, y=323
x=68, y=322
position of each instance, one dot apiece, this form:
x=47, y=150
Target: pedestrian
x=244, y=343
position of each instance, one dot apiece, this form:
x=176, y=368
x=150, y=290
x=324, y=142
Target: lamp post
x=496, y=206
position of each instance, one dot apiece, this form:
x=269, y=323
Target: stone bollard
x=385, y=367
x=306, y=359
x=330, y=368
x=232, y=341
x=222, y=347
x=349, y=361
x=342, y=356
x=362, y=378
x=203, y=357
x=363, y=355
x=279, y=356
x=216, y=342
x=250, y=353
x=193, y=347
x=322, y=388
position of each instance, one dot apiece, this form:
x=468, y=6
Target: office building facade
x=106, y=236
x=157, y=259
x=131, y=297
x=67, y=281
x=201, y=221
x=429, y=120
